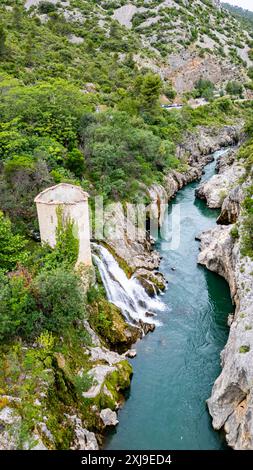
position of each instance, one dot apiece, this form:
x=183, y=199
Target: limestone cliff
x=137, y=255
x=231, y=402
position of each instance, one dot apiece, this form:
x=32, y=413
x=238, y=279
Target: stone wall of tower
x=77, y=210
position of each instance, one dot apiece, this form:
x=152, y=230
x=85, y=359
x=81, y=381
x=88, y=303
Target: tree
x=11, y=245
x=21, y=180
x=234, y=88
x=75, y=162
x=149, y=88
x=59, y=297
x=2, y=40
x=204, y=88
x=169, y=91
x=17, y=17
x=17, y=308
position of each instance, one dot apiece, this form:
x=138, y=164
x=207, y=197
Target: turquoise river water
x=176, y=365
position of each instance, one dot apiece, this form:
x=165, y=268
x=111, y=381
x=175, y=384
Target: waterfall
x=127, y=294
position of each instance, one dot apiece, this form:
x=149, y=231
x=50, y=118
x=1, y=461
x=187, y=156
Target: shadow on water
x=205, y=211
x=176, y=366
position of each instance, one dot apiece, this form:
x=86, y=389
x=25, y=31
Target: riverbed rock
x=216, y=246
x=231, y=206
x=157, y=209
x=152, y=281
x=131, y=353
x=109, y=417
x=147, y=327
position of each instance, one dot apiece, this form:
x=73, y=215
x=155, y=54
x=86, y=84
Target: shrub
x=234, y=232
x=204, y=88
x=11, y=245
x=52, y=302
x=244, y=349
x=169, y=91
x=234, y=88
x=46, y=7
x=75, y=162
x=59, y=298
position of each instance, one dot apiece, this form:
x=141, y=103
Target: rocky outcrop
x=109, y=417
x=231, y=402
x=80, y=424
x=231, y=206
x=216, y=189
x=132, y=247
x=197, y=147
x=83, y=439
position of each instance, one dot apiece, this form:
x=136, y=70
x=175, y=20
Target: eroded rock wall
x=231, y=401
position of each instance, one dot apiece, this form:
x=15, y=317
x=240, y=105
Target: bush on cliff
x=11, y=245
x=52, y=301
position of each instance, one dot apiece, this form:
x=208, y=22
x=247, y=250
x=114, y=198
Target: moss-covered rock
x=108, y=322
x=152, y=281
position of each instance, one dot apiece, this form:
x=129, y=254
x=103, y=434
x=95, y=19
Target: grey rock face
x=84, y=439
x=231, y=402
x=109, y=417
x=231, y=206
x=120, y=231
x=207, y=140
x=216, y=190
x=10, y=423
x=131, y=353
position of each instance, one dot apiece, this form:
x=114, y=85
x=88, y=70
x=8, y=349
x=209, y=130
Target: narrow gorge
x=126, y=226
x=198, y=310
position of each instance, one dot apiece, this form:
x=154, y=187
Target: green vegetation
x=245, y=16
x=234, y=89
x=11, y=246
x=204, y=88
x=246, y=155
x=247, y=229
x=234, y=232
x=76, y=108
x=244, y=349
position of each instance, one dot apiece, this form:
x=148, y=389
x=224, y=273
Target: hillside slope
x=181, y=40
x=188, y=40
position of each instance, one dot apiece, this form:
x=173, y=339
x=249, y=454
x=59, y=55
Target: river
x=176, y=366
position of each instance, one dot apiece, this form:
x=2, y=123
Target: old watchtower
x=73, y=202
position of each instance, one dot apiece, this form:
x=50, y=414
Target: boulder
x=109, y=417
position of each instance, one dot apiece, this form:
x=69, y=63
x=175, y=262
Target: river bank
x=230, y=404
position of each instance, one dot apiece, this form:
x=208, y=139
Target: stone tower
x=73, y=202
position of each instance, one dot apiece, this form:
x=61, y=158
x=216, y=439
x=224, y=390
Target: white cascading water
x=127, y=294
